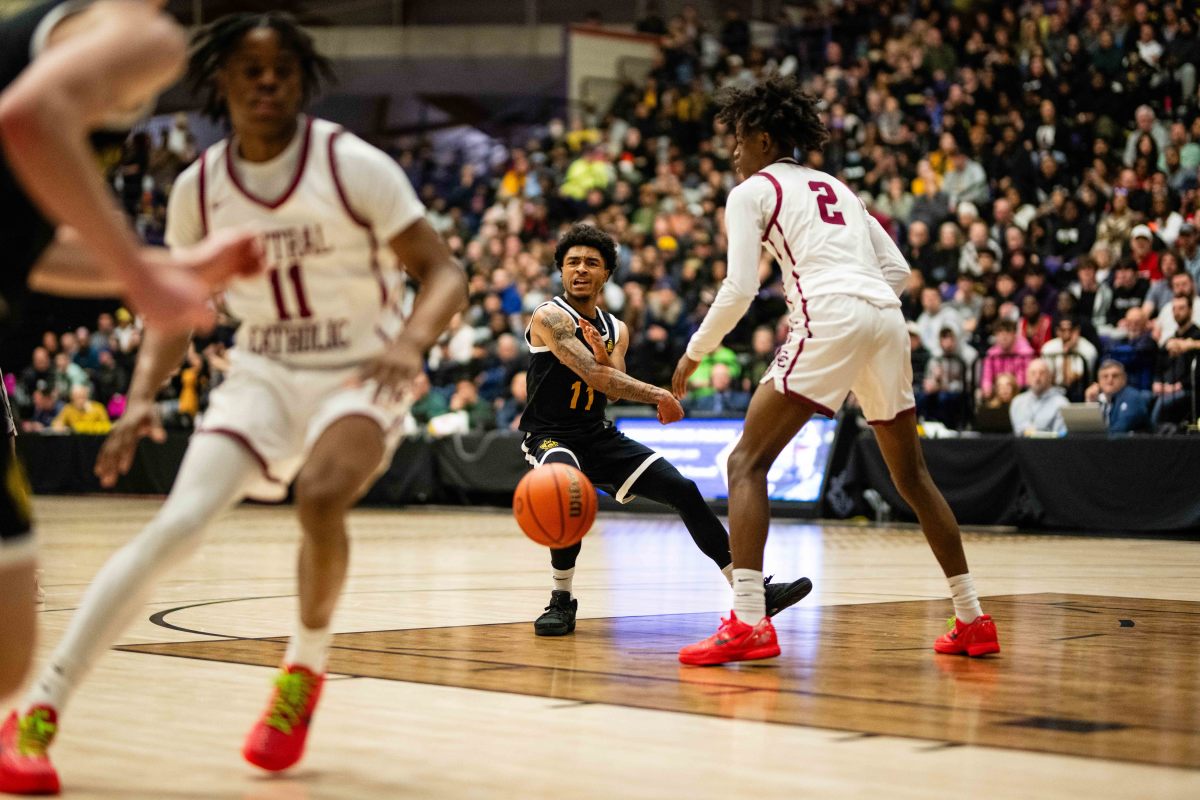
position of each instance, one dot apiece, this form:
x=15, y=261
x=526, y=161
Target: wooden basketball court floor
x=439, y=689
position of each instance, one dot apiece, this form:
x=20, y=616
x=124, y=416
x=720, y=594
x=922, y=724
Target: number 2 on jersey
x=577, y=386
x=826, y=197
x=302, y=308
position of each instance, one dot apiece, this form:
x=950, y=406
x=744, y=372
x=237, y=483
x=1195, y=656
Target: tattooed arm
x=554, y=328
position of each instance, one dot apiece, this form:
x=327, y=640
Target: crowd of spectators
x=1037, y=162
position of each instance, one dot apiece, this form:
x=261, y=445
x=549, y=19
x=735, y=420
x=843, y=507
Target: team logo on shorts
x=546, y=445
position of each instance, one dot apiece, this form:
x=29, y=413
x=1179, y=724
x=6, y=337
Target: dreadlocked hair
x=584, y=235
x=776, y=106
x=213, y=44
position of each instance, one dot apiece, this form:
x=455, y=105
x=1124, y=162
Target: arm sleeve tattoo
x=560, y=338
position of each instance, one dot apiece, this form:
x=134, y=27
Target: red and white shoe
x=276, y=741
x=977, y=638
x=733, y=641
x=25, y=767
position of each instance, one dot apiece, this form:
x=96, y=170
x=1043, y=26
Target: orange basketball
x=555, y=505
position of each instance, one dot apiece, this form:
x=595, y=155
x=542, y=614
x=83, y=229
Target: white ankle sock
x=749, y=597
x=563, y=578
x=727, y=571
x=966, y=600
x=308, y=648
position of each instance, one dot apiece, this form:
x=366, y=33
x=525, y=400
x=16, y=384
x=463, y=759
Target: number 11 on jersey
x=303, y=311
x=578, y=386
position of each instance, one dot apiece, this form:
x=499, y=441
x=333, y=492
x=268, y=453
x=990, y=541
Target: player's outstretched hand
x=393, y=370
x=669, y=409
x=174, y=290
x=683, y=371
x=116, y=454
x=596, y=342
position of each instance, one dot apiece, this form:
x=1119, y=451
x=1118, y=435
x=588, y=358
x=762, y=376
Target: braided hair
x=776, y=106
x=213, y=44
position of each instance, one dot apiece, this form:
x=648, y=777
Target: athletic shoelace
x=291, y=699
x=35, y=731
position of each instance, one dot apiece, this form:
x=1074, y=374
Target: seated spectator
x=1182, y=285
x=124, y=330
x=109, y=378
x=723, y=397
x=700, y=384
x=508, y=415
x=945, y=381
x=426, y=404
x=919, y=354
x=978, y=242
x=1125, y=408
x=38, y=372
x=762, y=356
x=992, y=415
x=1071, y=358
x=1095, y=298
x=1189, y=247
x=981, y=327
x=1036, y=285
x=934, y=317
x=46, y=407
x=1141, y=250
x=1158, y=298
x=1138, y=351
x=1034, y=325
x=67, y=375
x=1038, y=409
x=966, y=302
x=83, y=414
x=1128, y=291
x=1173, y=381
x=1011, y=353
x=479, y=412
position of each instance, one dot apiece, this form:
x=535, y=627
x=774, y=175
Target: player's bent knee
x=745, y=466
x=326, y=493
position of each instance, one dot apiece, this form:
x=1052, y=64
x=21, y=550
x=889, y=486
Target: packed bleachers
x=1038, y=163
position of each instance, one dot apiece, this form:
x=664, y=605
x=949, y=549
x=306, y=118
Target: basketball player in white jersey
x=320, y=361
x=73, y=77
x=843, y=276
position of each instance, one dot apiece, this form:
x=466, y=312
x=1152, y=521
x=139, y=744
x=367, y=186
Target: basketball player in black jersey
x=578, y=363
x=73, y=77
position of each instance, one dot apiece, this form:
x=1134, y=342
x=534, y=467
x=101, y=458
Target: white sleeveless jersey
x=819, y=233
x=331, y=294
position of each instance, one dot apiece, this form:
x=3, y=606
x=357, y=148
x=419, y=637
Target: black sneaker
x=783, y=595
x=559, y=619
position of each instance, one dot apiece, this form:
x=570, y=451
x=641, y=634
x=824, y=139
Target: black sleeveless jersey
x=24, y=232
x=560, y=402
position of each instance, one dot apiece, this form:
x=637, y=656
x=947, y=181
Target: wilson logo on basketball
x=574, y=496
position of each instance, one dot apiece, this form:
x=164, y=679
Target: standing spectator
x=1125, y=408
x=83, y=414
x=1038, y=409
x=1011, y=353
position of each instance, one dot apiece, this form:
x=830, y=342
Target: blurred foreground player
x=73, y=78
x=578, y=362
x=320, y=364
x=842, y=274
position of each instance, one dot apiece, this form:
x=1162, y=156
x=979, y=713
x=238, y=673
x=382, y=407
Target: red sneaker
x=733, y=641
x=976, y=638
x=24, y=766
x=276, y=741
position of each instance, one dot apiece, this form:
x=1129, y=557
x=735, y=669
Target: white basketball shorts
x=847, y=344
x=279, y=412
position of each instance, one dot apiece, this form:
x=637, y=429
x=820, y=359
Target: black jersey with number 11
x=560, y=402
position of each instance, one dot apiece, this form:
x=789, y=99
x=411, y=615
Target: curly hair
x=584, y=235
x=776, y=106
x=212, y=45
